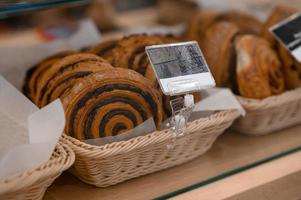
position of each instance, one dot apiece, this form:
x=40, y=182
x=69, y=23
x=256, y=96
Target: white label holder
x=180, y=69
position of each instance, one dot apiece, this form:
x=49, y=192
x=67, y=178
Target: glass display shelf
x=9, y=8
x=231, y=154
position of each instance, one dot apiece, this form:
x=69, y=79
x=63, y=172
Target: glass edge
x=227, y=174
x=27, y=7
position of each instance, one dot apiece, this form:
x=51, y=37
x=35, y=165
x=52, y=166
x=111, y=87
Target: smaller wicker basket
x=32, y=184
x=113, y=163
x=270, y=114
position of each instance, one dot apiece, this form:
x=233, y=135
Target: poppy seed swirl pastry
x=63, y=71
x=130, y=53
x=103, y=49
x=110, y=102
x=259, y=71
x=219, y=51
x=34, y=74
x=291, y=67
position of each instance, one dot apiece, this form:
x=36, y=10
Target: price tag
x=180, y=67
x=288, y=32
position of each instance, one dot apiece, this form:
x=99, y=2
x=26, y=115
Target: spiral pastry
x=110, y=102
x=219, y=52
x=66, y=69
x=259, y=71
x=104, y=49
x=130, y=53
x=34, y=74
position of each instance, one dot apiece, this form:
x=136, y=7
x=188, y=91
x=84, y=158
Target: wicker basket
x=270, y=114
x=113, y=163
x=32, y=184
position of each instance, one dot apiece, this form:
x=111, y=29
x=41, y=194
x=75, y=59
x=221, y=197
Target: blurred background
x=42, y=21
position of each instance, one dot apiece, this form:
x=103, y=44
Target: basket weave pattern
x=113, y=163
x=32, y=184
x=270, y=114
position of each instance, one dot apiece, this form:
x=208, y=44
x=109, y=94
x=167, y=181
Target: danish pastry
x=291, y=67
x=110, y=102
x=34, y=74
x=219, y=51
x=259, y=71
x=64, y=69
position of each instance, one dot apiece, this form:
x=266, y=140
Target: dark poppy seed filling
x=106, y=88
x=75, y=76
x=133, y=55
x=91, y=116
x=119, y=127
x=29, y=73
x=61, y=70
x=143, y=64
x=39, y=75
x=113, y=113
x=105, y=50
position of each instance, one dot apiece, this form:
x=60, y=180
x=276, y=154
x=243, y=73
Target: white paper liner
x=28, y=135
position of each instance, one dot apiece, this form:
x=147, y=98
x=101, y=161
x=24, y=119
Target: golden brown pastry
x=218, y=49
x=278, y=14
x=104, y=49
x=63, y=69
x=130, y=53
x=259, y=71
x=202, y=21
x=247, y=23
x=34, y=74
x=199, y=24
x=292, y=72
x=110, y=102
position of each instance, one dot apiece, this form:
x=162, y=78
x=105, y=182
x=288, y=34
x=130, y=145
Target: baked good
x=219, y=51
x=130, y=53
x=110, y=102
x=103, y=49
x=247, y=23
x=259, y=71
x=199, y=24
x=278, y=14
x=63, y=69
x=291, y=67
x=34, y=74
x=202, y=21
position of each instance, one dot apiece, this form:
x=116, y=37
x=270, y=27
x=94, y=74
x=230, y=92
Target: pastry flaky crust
x=34, y=74
x=292, y=68
x=202, y=21
x=63, y=71
x=247, y=23
x=259, y=71
x=103, y=49
x=218, y=49
x=130, y=53
x=110, y=102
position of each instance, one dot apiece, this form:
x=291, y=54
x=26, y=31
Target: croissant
x=34, y=74
x=110, y=102
x=63, y=70
x=259, y=71
x=218, y=49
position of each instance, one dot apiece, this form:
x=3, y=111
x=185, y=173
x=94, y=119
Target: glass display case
x=232, y=152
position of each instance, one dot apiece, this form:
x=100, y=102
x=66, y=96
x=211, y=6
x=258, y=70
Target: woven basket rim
x=54, y=166
x=116, y=146
x=270, y=102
